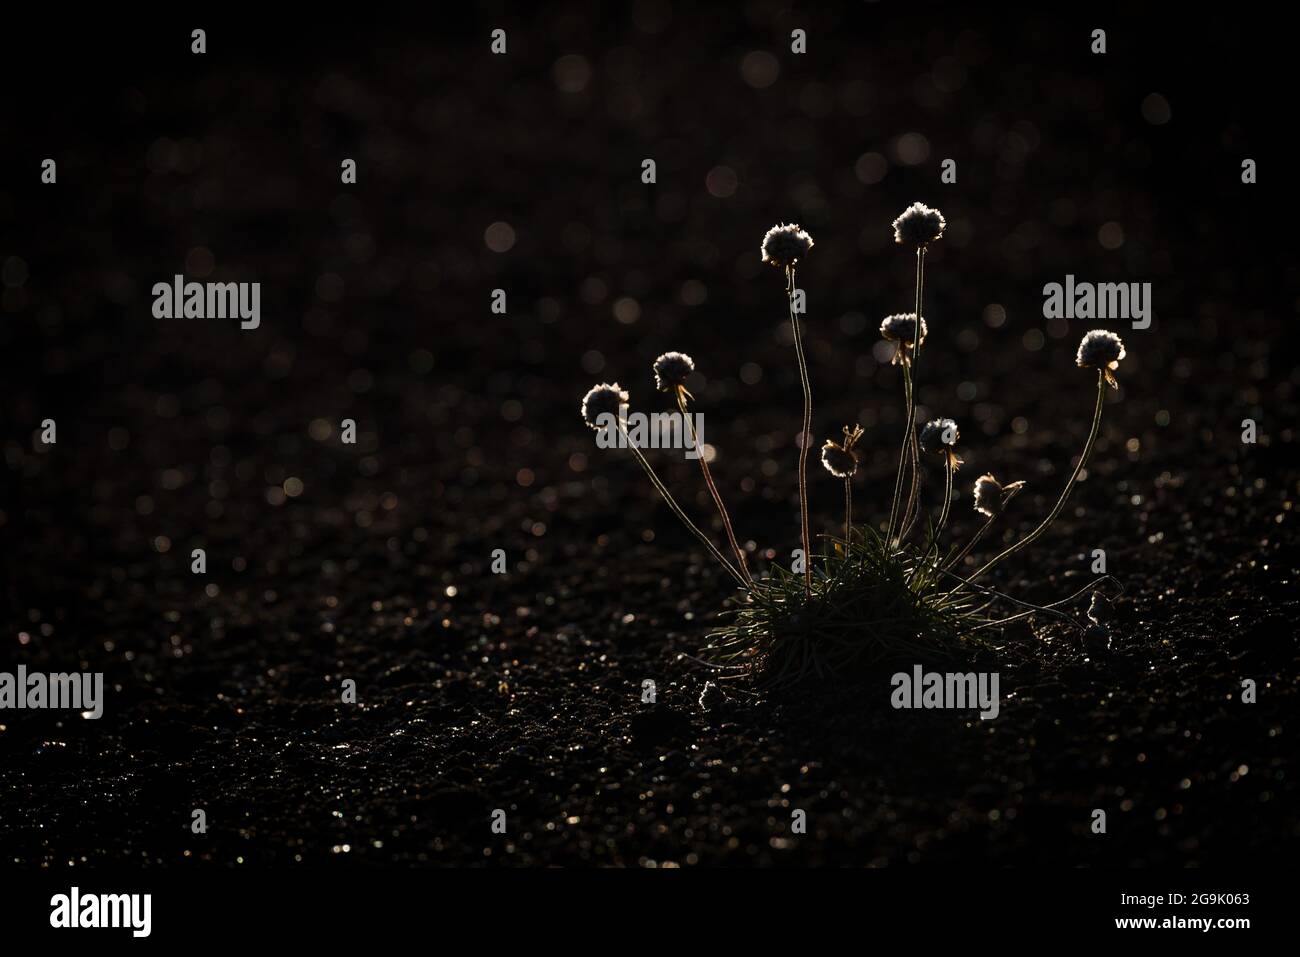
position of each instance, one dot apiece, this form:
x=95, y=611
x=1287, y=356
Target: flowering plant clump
x=870, y=595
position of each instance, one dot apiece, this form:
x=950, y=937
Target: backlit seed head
x=939, y=436
x=839, y=462
x=839, y=458
x=603, y=398
x=991, y=496
x=1101, y=349
x=671, y=370
x=786, y=244
x=919, y=225
x=901, y=329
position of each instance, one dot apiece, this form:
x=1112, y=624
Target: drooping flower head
x=919, y=226
x=939, y=436
x=991, y=496
x=784, y=245
x=901, y=330
x=840, y=459
x=1101, y=349
x=671, y=370
x=604, y=398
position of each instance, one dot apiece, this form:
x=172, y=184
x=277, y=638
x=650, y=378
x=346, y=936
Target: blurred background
x=523, y=172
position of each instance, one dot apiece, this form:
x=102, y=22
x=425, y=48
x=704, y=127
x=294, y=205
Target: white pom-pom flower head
x=671, y=370
x=1101, y=349
x=785, y=245
x=919, y=225
x=606, y=398
x=938, y=437
x=900, y=329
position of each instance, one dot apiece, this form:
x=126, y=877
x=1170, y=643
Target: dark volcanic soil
x=522, y=691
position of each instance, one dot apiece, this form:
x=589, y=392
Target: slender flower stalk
x=920, y=288
x=1101, y=350
x=906, y=331
x=604, y=406
x=957, y=559
x=938, y=437
x=991, y=497
x=784, y=246
x=913, y=509
x=671, y=369
x=903, y=453
x=841, y=460
x=805, y=435
x=948, y=470
x=677, y=510
x=848, y=511
x=1069, y=486
x=918, y=226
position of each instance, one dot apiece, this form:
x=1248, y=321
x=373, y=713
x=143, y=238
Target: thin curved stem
x=905, y=519
x=947, y=504
x=677, y=509
x=848, y=512
x=805, y=436
x=920, y=288
x=947, y=498
x=996, y=595
x=957, y=559
x=1069, y=486
x=913, y=510
x=902, y=454
x=713, y=488
x=1050, y=608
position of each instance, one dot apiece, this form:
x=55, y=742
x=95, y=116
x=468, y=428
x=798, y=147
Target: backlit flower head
x=919, y=225
x=991, y=496
x=603, y=398
x=939, y=436
x=671, y=370
x=839, y=458
x=901, y=329
x=1103, y=350
x=786, y=244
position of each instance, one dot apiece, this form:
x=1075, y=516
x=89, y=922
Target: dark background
x=521, y=691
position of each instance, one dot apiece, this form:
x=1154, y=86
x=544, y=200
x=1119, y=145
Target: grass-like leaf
x=869, y=603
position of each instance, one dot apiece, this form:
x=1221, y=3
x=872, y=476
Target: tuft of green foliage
x=869, y=603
